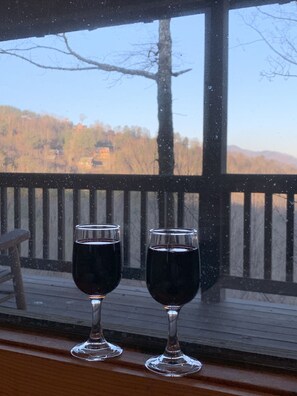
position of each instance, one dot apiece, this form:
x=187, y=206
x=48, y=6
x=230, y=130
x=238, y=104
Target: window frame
x=215, y=100
x=33, y=362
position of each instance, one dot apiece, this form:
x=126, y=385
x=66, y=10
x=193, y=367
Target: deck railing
x=268, y=236
x=239, y=221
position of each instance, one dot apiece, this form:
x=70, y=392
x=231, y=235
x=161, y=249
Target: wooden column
x=214, y=144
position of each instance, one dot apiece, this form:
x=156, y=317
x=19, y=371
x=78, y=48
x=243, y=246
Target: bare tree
x=157, y=67
x=276, y=26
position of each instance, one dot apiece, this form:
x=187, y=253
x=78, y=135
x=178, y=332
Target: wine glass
x=96, y=271
x=173, y=277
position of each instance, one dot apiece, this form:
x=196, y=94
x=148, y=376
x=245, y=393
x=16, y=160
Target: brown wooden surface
x=13, y=238
x=32, y=364
x=242, y=330
x=35, y=18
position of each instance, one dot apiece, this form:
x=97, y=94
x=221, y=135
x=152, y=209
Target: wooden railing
x=223, y=209
x=49, y=205
x=272, y=236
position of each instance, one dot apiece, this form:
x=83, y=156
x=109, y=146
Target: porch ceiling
x=41, y=17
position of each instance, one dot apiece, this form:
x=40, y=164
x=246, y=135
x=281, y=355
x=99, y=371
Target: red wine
x=173, y=275
x=96, y=266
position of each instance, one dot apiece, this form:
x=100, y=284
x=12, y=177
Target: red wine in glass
x=173, y=275
x=96, y=271
x=96, y=265
x=173, y=279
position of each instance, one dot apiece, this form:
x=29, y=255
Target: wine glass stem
x=96, y=334
x=172, y=349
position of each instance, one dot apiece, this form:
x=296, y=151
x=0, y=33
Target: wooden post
x=214, y=144
x=17, y=278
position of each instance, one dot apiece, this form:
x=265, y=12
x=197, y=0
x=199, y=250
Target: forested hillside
x=41, y=143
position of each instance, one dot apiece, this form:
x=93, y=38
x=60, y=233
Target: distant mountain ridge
x=267, y=154
x=33, y=142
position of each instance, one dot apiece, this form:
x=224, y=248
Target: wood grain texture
x=236, y=330
x=32, y=364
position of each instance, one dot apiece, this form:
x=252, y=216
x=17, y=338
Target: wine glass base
x=173, y=367
x=96, y=351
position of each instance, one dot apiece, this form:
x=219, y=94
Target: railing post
x=61, y=224
x=290, y=237
x=126, y=232
x=3, y=209
x=45, y=222
x=32, y=220
x=214, y=144
x=211, y=243
x=143, y=230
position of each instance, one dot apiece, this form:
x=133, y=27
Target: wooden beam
x=20, y=19
x=39, y=18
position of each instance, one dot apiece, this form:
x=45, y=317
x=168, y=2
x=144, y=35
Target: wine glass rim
x=93, y=227
x=173, y=231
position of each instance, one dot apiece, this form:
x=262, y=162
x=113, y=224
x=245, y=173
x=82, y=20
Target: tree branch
x=277, y=17
x=280, y=54
x=107, y=67
x=44, y=66
x=176, y=74
x=86, y=63
x=281, y=40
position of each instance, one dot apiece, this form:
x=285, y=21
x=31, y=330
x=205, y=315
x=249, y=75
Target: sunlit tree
x=155, y=63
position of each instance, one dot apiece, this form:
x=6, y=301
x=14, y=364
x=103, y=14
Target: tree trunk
x=165, y=139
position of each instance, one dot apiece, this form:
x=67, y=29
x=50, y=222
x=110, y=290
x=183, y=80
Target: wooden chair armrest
x=13, y=238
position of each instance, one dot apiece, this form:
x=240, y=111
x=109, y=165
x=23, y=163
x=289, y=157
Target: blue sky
x=106, y=98
x=262, y=114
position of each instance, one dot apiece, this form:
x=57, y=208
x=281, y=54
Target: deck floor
x=249, y=328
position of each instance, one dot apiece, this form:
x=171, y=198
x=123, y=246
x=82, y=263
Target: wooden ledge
x=33, y=364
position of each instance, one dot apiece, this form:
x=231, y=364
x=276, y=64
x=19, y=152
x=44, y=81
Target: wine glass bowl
x=96, y=271
x=173, y=279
